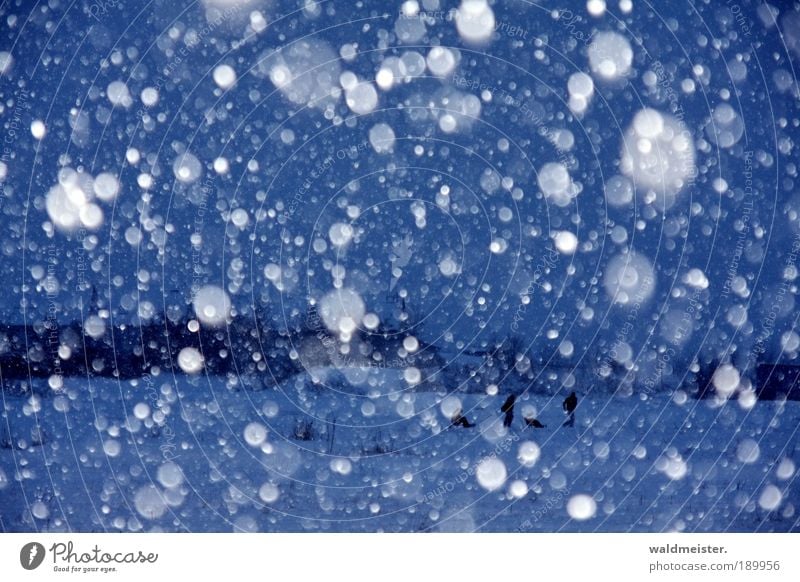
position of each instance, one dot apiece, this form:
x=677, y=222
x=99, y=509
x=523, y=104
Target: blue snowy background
x=260, y=255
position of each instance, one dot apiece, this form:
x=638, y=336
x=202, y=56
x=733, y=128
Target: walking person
x=569, y=405
x=508, y=409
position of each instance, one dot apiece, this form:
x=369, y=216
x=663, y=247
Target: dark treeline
x=128, y=351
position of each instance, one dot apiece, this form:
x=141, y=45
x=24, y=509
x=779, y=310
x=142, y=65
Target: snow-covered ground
x=370, y=454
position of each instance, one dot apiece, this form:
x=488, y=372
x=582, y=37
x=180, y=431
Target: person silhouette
x=508, y=409
x=569, y=405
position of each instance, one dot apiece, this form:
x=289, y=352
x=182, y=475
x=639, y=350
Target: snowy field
x=377, y=457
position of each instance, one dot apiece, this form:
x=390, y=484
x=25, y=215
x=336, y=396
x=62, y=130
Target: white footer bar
x=395, y=557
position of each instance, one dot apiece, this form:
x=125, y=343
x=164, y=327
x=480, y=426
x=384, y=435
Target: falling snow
x=412, y=266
